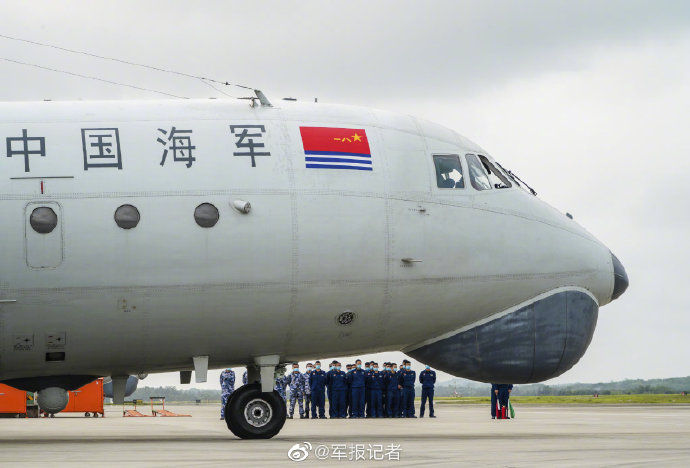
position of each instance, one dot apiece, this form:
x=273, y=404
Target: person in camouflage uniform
x=227, y=386
x=296, y=382
x=281, y=382
x=307, y=389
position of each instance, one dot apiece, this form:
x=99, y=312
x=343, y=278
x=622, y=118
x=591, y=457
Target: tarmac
x=459, y=436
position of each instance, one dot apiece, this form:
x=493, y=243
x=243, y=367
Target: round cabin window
x=43, y=220
x=127, y=217
x=206, y=215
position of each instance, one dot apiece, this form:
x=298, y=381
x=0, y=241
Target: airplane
x=180, y=235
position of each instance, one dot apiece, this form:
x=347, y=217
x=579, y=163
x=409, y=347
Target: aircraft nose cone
x=620, y=278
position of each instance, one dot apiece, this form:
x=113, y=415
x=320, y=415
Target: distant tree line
x=463, y=387
x=638, y=386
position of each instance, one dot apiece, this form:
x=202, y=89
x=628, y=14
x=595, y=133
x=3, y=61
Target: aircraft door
x=43, y=235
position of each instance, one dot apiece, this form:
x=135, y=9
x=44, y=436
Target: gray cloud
x=354, y=50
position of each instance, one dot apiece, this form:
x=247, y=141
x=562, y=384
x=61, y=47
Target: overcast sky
x=588, y=101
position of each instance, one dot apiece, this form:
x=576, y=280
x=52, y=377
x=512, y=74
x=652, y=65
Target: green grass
x=642, y=399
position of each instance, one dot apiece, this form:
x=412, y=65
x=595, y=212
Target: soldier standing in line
x=296, y=382
x=357, y=382
x=329, y=391
x=317, y=381
x=427, y=378
x=384, y=374
x=401, y=408
x=375, y=389
x=348, y=393
x=307, y=389
x=367, y=390
x=281, y=382
x=392, y=392
x=406, y=382
x=337, y=380
x=227, y=386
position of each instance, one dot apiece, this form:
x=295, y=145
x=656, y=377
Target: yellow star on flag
x=356, y=137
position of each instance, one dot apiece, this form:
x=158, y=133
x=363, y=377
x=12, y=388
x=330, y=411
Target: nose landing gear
x=253, y=414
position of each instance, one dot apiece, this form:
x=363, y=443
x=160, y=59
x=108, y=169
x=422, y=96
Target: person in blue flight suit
x=401, y=408
x=337, y=380
x=376, y=388
x=317, y=381
x=295, y=381
x=428, y=379
x=392, y=395
x=367, y=390
x=500, y=393
x=406, y=381
x=384, y=394
x=348, y=393
x=227, y=386
x=307, y=389
x=357, y=383
x=329, y=391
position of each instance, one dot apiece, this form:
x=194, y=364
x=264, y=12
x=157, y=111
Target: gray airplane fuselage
x=445, y=274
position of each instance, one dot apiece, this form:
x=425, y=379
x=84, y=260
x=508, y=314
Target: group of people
x=367, y=391
x=359, y=391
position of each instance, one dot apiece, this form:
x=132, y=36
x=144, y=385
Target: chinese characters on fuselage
x=245, y=140
x=101, y=146
x=24, y=147
x=179, y=142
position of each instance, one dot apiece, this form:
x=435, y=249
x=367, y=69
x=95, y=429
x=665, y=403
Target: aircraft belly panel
x=538, y=341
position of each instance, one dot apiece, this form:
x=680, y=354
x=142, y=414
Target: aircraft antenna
x=126, y=62
x=96, y=78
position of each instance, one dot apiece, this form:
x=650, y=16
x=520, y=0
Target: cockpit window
x=496, y=177
x=478, y=177
x=449, y=171
x=509, y=174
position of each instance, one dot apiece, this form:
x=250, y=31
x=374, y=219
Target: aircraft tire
x=251, y=414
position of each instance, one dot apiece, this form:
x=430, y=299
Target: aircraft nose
x=620, y=278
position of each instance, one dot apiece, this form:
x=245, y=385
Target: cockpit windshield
x=478, y=177
x=448, y=171
x=484, y=175
x=498, y=180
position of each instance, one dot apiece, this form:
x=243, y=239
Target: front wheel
x=252, y=414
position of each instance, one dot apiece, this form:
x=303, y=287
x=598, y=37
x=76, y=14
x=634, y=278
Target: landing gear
x=252, y=414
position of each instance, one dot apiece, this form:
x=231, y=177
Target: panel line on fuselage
x=27, y=292
x=416, y=197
